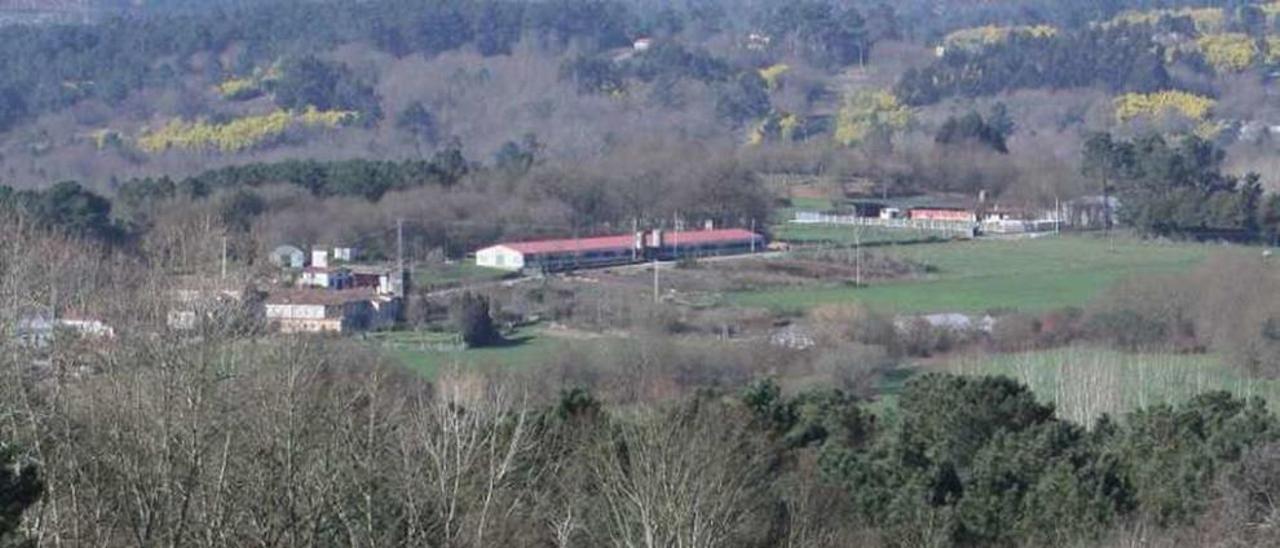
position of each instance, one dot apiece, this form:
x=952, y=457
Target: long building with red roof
x=573, y=253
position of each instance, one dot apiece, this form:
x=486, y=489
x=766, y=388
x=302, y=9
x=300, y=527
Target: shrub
x=472, y=318
x=921, y=339
x=857, y=324
x=1127, y=329
x=1016, y=332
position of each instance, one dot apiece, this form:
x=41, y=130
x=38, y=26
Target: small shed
x=287, y=256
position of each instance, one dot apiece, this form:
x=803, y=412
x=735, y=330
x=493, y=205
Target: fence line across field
x=810, y=217
x=935, y=225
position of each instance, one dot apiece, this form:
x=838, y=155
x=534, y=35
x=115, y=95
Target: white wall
x=500, y=257
x=295, y=311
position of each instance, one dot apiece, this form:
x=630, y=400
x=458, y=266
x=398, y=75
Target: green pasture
x=804, y=234
x=429, y=353
x=443, y=275
x=1023, y=274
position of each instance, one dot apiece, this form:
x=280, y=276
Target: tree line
x=306, y=445
x=47, y=68
x=1121, y=58
x=1175, y=187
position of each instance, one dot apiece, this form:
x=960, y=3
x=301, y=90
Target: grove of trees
x=1176, y=189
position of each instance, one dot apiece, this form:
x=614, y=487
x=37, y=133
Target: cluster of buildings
x=980, y=213
x=331, y=293
x=544, y=256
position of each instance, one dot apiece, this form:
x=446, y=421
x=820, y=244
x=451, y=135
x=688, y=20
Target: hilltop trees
x=66, y=206
x=1118, y=57
x=310, y=82
x=823, y=34
x=971, y=128
x=419, y=122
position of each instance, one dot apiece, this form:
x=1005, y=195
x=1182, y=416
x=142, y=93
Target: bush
x=1060, y=327
x=857, y=324
x=472, y=319
x=921, y=339
x=1127, y=330
x=1016, y=332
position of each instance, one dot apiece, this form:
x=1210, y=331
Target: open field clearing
x=429, y=353
x=455, y=273
x=973, y=276
x=1085, y=383
x=846, y=235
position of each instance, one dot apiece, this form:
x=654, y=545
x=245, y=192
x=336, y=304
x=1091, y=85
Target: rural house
x=325, y=311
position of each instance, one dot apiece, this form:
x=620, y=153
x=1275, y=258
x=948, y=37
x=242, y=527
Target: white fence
x=963, y=228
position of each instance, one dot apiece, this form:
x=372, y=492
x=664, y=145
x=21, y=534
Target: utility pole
x=675, y=236
x=1057, y=216
x=858, y=257
x=400, y=256
x=224, y=257
x=657, y=295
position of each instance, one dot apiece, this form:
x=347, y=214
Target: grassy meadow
x=428, y=353
x=1023, y=274
x=450, y=274
x=845, y=236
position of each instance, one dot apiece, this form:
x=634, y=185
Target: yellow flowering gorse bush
x=1231, y=52
x=239, y=134
x=864, y=112
x=772, y=74
x=1190, y=105
x=1207, y=20
x=978, y=37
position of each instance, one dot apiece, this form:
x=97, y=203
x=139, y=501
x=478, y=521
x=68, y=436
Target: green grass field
x=429, y=353
x=784, y=214
x=845, y=235
x=973, y=276
x=1084, y=383
x=444, y=275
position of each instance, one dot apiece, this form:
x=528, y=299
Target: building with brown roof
x=327, y=311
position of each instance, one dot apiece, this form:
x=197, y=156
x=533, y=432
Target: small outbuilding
x=287, y=256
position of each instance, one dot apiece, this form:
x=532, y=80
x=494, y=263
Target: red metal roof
x=582, y=245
